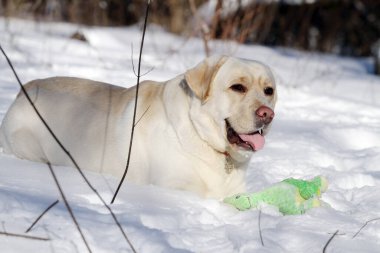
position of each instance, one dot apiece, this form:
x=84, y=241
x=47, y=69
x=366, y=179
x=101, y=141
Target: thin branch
x=142, y=116
x=328, y=242
x=68, y=207
x=204, y=28
x=364, y=226
x=39, y=217
x=261, y=236
x=67, y=152
x=133, y=63
x=135, y=107
x=133, y=66
x=25, y=236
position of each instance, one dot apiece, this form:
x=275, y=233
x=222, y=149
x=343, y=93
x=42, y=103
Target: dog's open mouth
x=253, y=141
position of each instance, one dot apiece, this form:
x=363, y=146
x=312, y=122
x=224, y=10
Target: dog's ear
x=200, y=77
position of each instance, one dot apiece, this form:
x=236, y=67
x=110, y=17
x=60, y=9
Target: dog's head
x=233, y=103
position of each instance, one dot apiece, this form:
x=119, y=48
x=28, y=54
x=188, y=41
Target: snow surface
x=327, y=123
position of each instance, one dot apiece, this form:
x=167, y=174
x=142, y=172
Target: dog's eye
x=268, y=91
x=239, y=88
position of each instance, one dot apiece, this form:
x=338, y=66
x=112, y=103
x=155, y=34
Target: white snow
x=327, y=123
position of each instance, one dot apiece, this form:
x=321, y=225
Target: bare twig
x=142, y=115
x=25, y=236
x=328, y=242
x=67, y=152
x=364, y=226
x=39, y=217
x=204, y=28
x=133, y=66
x=135, y=107
x=261, y=236
x=68, y=207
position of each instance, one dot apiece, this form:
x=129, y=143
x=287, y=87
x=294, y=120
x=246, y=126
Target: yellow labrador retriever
x=194, y=132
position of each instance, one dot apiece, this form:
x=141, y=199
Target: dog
x=195, y=132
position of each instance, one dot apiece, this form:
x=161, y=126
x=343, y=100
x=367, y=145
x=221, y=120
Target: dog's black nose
x=265, y=114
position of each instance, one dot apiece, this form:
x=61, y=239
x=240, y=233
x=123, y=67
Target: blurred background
x=342, y=27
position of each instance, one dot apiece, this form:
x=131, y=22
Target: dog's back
x=70, y=106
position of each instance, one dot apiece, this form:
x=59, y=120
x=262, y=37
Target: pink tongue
x=256, y=141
